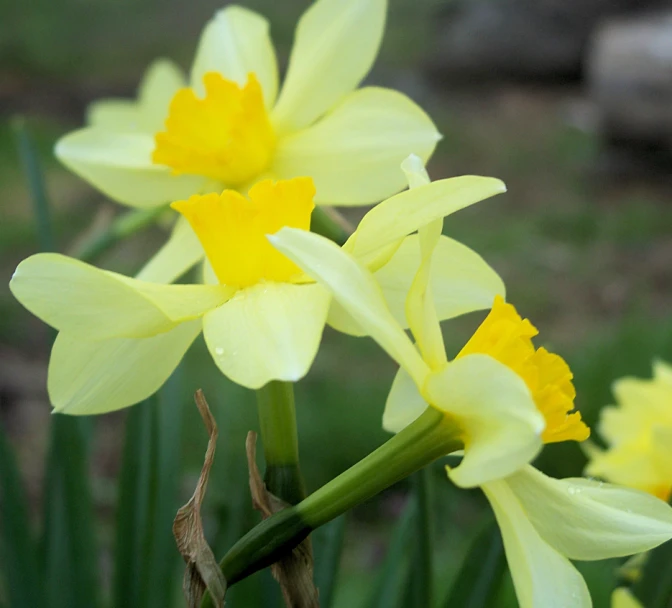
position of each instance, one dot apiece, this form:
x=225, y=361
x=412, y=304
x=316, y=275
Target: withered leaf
x=202, y=570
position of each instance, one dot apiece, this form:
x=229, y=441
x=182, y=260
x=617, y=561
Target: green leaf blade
x=18, y=551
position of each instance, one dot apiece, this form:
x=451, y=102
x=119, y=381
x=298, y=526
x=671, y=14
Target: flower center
x=506, y=337
x=233, y=229
x=226, y=136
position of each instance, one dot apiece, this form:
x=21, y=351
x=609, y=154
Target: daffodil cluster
x=228, y=124
x=499, y=401
x=120, y=338
x=244, y=166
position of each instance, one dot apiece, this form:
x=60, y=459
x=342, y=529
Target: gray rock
x=629, y=77
x=520, y=38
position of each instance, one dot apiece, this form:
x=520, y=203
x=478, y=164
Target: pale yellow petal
x=590, y=520
x=618, y=425
x=180, y=252
x=622, y=598
x=353, y=154
x=408, y=211
x=335, y=45
x=94, y=304
x=644, y=397
x=420, y=308
x=235, y=43
x=355, y=289
x=642, y=404
x=147, y=113
x=461, y=280
x=541, y=575
x=208, y=275
x=115, y=115
x=270, y=331
x=414, y=169
x=159, y=84
x=179, y=303
x=662, y=371
x=491, y=403
x=661, y=452
x=629, y=466
x=97, y=377
x=341, y=320
x=404, y=403
x=120, y=166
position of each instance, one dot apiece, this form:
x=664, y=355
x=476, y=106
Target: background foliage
x=584, y=253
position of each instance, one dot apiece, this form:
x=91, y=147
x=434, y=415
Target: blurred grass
x=584, y=255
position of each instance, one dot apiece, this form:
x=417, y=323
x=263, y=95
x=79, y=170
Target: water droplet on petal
x=219, y=351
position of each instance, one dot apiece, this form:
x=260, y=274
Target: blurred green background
x=585, y=253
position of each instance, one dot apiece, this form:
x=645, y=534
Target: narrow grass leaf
x=421, y=573
x=35, y=180
x=163, y=557
x=69, y=546
x=328, y=546
x=480, y=576
x=388, y=591
x=146, y=558
x=133, y=508
x=18, y=551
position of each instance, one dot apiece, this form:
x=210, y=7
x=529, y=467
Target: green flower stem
x=277, y=419
x=328, y=222
x=423, y=441
x=429, y=437
x=122, y=227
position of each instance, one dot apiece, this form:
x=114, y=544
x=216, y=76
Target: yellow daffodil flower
x=228, y=127
x=528, y=392
x=638, y=432
x=622, y=598
x=502, y=399
x=262, y=319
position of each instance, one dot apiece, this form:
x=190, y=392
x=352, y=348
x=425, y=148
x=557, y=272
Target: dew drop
x=219, y=351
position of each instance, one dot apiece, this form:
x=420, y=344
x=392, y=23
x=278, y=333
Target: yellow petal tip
x=233, y=228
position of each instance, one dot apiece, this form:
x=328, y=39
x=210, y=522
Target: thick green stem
x=277, y=419
x=428, y=438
